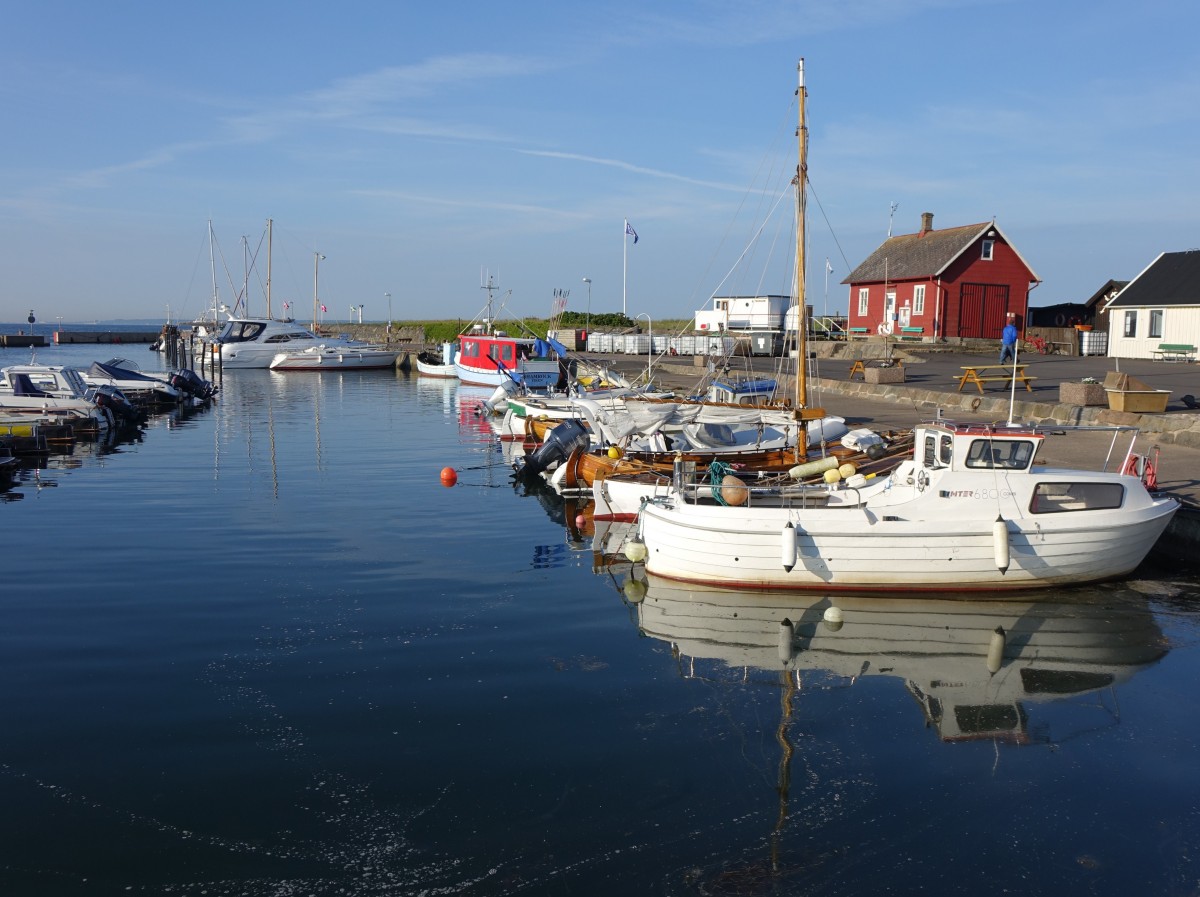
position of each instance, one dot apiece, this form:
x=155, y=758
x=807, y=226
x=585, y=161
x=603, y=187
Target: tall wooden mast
x=801, y=397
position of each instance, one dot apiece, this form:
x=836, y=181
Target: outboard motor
x=560, y=443
x=115, y=403
x=188, y=381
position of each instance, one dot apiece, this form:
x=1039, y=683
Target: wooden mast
x=801, y=397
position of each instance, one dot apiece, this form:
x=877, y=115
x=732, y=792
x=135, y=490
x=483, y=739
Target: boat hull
x=348, y=359
x=854, y=549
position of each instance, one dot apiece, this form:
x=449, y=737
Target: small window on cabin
x=946, y=448
x=1131, y=323
x=1005, y=454
x=989, y=247
x=1156, y=319
x=1057, y=498
x=506, y=354
x=930, y=451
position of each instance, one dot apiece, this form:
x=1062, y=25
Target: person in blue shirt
x=1008, y=341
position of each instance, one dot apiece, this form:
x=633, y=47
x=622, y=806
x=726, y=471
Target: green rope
x=717, y=471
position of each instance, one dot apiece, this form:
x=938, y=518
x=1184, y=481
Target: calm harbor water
x=260, y=650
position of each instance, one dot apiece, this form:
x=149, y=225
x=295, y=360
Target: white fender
x=1000, y=544
x=787, y=547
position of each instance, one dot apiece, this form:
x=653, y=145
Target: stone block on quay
x=894, y=374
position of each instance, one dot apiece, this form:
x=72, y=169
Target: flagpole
x=624, y=263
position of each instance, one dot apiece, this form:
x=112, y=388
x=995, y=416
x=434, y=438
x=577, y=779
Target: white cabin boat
x=254, y=342
x=971, y=509
x=45, y=389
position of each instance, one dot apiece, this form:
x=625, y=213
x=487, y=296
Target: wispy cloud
x=636, y=169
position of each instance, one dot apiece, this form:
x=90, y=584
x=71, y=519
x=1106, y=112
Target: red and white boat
x=497, y=359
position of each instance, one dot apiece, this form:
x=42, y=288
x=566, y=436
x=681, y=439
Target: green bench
x=1174, y=352
x=858, y=331
x=912, y=333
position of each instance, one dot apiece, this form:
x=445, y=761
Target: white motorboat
x=171, y=387
x=323, y=357
x=41, y=389
x=971, y=509
x=255, y=342
x=441, y=366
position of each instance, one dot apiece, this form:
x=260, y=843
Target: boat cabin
x=742, y=392
x=248, y=331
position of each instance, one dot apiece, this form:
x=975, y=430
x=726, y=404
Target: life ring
x=1060, y=320
x=885, y=328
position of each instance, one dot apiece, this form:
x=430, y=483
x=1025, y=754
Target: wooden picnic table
x=980, y=374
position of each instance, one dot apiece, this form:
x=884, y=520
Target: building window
x=989, y=247
x=1131, y=323
x=1156, y=318
x=919, y=299
x=863, y=295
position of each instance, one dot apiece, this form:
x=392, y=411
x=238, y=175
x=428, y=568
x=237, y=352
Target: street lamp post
x=587, y=327
x=650, y=352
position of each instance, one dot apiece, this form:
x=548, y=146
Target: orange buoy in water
x=449, y=476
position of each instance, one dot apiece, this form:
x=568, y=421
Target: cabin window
x=946, y=448
x=989, y=247
x=919, y=299
x=1056, y=498
x=863, y=296
x=506, y=354
x=929, y=454
x=1156, y=319
x=1131, y=323
x=1007, y=454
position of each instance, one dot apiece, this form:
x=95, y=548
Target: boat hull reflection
x=974, y=666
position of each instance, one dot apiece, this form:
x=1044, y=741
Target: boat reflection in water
x=974, y=667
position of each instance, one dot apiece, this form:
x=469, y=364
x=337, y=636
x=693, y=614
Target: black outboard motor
x=115, y=402
x=188, y=381
x=560, y=443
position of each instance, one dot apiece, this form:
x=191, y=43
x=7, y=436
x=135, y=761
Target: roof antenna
x=891, y=215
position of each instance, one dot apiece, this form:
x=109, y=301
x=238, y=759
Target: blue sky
x=414, y=144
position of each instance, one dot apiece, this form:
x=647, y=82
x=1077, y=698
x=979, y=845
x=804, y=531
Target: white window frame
x=1156, y=324
x=919, y=299
x=1130, y=328
x=989, y=250
x=864, y=299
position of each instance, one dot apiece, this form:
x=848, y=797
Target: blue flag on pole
x=629, y=230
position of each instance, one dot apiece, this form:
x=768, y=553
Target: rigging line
x=784, y=193
x=836, y=242
x=762, y=165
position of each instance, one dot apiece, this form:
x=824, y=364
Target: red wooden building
x=954, y=283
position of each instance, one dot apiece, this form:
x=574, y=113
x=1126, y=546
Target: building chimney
x=926, y=223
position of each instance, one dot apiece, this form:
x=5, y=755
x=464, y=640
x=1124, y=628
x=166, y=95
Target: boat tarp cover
x=99, y=369
x=542, y=347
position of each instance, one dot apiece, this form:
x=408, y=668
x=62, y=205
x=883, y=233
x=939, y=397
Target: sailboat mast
x=801, y=397
x=269, y=222
x=212, y=263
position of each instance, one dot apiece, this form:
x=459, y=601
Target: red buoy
x=449, y=476
x=580, y=521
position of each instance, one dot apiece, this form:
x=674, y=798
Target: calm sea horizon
x=259, y=649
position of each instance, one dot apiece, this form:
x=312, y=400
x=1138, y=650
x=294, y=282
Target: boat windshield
x=241, y=331
x=1011, y=454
